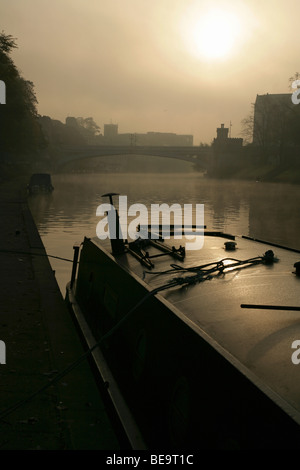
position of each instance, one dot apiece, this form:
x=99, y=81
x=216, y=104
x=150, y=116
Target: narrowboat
x=197, y=348
x=40, y=183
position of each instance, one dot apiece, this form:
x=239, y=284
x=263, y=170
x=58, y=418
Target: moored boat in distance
x=40, y=183
x=195, y=346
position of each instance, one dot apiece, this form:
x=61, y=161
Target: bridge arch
x=189, y=154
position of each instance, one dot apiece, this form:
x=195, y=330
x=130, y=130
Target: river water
x=267, y=211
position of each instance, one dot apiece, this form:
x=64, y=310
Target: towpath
x=40, y=341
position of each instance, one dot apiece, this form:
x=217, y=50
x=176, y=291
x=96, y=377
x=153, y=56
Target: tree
x=89, y=125
x=248, y=126
x=20, y=132
x=7, y=43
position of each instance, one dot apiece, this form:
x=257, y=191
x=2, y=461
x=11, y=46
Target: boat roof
x=258, y=341
x=40, y=178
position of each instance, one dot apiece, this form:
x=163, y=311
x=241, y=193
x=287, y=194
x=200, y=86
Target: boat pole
x=76, y=248
x=271, y=307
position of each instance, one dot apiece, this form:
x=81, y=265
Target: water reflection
x=263, y=210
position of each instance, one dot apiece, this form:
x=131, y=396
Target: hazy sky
x=181, y=66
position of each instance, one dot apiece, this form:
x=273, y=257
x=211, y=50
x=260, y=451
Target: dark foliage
x=20, y=132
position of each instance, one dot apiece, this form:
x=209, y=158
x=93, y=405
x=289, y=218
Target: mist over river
x=267, y=211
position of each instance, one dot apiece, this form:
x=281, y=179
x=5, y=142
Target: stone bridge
x=190, y=154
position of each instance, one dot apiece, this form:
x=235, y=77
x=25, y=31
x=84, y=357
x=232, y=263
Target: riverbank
x=249, y=164
x=41, y=341
x=262, y=172
x=269, y=173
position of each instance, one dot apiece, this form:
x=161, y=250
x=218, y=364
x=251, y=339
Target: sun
x=214, y=35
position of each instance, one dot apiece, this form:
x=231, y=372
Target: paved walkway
x=41, y=340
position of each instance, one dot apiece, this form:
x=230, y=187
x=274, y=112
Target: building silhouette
x=276, y=127
x=151, y=138
x=272, y=113
x=110, y=131
x=225, y=143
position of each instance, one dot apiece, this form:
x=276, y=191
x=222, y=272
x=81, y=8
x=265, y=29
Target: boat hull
x=183, y=389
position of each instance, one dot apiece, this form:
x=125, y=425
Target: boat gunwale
x=276, y=245
x=124, y=414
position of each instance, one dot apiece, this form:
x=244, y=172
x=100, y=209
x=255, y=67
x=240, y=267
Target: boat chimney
x=117, y=244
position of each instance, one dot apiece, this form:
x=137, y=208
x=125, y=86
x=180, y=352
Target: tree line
x=20, y=133
x=25, y=136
